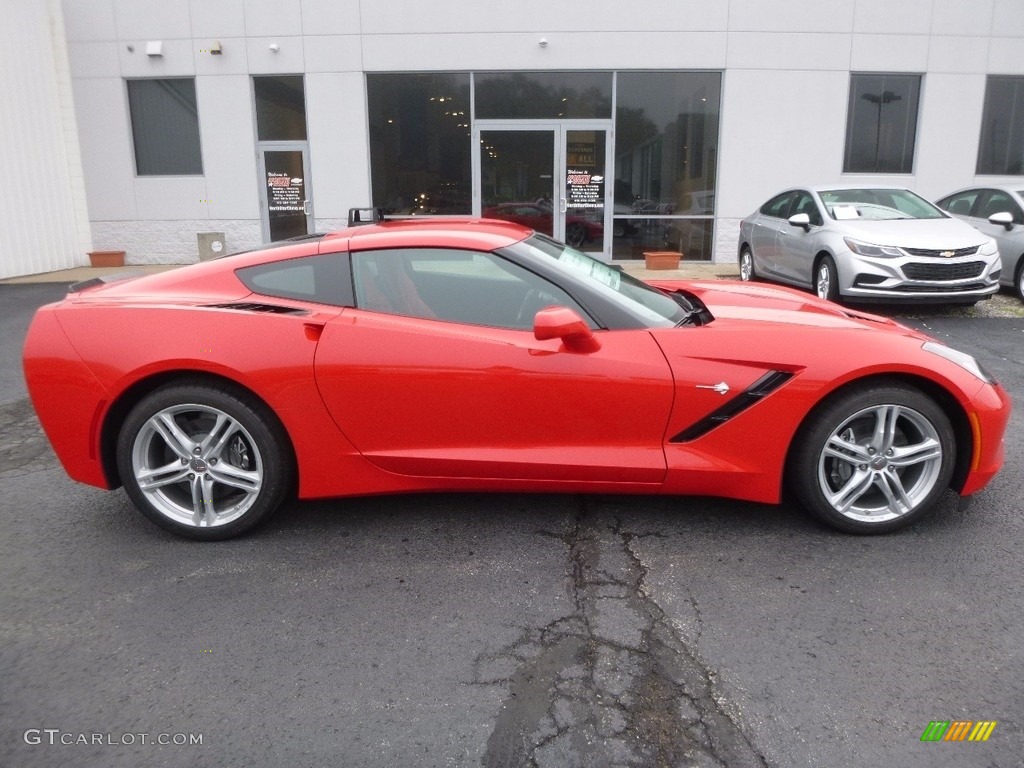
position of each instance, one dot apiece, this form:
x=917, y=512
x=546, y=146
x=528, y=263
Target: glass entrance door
x=286, y=201
x=549, y=177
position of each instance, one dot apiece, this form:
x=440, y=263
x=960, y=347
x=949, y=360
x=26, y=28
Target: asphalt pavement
x=506, y=630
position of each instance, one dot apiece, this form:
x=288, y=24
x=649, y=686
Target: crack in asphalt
x=612, y=684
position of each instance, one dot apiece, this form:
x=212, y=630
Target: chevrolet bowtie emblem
x=947, y=254
x=721, y=387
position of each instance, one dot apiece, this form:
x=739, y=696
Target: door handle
x=561, y=205
x=305, y=207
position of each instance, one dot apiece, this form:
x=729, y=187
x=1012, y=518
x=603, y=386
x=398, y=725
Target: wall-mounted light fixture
x=215, y=49
x=543, y=42
x=154, y=47
x=274, y=47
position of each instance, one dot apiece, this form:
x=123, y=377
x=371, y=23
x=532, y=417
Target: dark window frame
x=990, y=143
x=897, y=152
x=147, y=159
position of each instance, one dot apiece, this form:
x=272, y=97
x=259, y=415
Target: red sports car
x=478, y=355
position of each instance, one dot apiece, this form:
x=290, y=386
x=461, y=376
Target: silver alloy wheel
x=746, y=266
x=880, y=463
x=197, y=465
x=823, y=285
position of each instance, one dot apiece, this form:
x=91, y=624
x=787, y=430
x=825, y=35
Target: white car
x=999, y=213
x=868, y=244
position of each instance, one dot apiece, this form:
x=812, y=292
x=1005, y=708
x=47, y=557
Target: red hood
x=735, y=300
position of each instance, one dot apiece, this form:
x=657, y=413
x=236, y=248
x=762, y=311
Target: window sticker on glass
x=842, y=212
x=588, y=266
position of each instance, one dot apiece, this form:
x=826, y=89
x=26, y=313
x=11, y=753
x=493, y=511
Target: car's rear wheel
x=1018, y=282
x=826, y=280
x=747, y=272
x=874, y=458
x=204, y=461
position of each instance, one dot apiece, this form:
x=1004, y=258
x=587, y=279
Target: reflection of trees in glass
x=420, y=142
x=526, y=95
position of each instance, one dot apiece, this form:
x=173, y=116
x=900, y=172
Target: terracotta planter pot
x=662, y=259
x=106, y=258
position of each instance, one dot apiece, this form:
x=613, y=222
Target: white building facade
x=655, y=125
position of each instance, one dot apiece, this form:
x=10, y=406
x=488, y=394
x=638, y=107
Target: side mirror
x=1004, y=218
x=562, y=323
x=801, y=220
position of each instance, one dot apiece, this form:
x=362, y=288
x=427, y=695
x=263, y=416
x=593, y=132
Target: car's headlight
x=867, y=249
x=962, y=359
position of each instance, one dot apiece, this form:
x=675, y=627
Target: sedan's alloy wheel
x=746, y=266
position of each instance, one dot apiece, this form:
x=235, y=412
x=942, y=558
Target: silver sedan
x=868, y=244
x=999, y=213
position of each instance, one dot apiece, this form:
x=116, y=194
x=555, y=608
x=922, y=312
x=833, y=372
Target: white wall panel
x=232, y=60
x=217, y=18
x=177, y=60
x=785, y=50
x=898, y=17
x=89, y=20
x=333, y=53
x=43, y=224
x=961, y=17
x=1007, y=18
x=273, y=17
x=889, y=53
x=950, y=116
x=330, y=17
x=339, y=143
x=790, y=16
x=543, y=16
x=229, y=147
x=289, y=59
x=1006, y=55
x=107, y=155
x=95, y=59
x=152, y=20
x=957, y=54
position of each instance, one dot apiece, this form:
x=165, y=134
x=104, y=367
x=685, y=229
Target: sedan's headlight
x=962, y=359
x=867, y=249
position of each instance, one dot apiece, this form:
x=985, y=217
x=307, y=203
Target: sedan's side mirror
x=562, y=323
x=801, y=220
x=1004, y=218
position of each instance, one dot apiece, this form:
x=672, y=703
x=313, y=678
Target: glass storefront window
x=1001, y=149
x=165, y=127
x=280, y=107
x=666, y=155
x=420, y=143
x=881, y=123
x=543, y=95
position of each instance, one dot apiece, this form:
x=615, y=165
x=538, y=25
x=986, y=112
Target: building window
x=547, y=95
x=881, y=123
x=666, y=155
x=280, y=108
x=1001, y=149
x=165, y=127
x=420, y=142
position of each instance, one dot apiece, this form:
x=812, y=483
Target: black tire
x=826, y=279
x=748, y=272
x=1018, y=280
x=575, y=235
x=204, y=461
x=856, y=478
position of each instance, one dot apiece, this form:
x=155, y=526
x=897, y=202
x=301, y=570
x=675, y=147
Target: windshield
x=877, y=204
x=654, y=308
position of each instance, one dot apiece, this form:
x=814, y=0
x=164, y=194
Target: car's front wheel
x=873, y=458
x=204, y=461
x=826, y=280
x=1018, y=283
x=747, y=272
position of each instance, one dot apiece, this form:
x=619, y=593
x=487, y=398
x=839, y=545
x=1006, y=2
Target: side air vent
x=249, y=306
x=755, y=392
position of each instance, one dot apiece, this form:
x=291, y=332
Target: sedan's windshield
x=878, y=204
x=654, y=308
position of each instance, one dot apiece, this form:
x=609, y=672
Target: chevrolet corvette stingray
x=461, y=354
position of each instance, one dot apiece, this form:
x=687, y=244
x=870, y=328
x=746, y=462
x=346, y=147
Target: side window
x=320, y=279
x=453, y=285
x=777, y=206
x=961, y=203
x=998, y=202
x=804, y=203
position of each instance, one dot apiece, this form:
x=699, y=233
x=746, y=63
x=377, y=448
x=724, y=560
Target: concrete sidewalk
x=698, y=270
